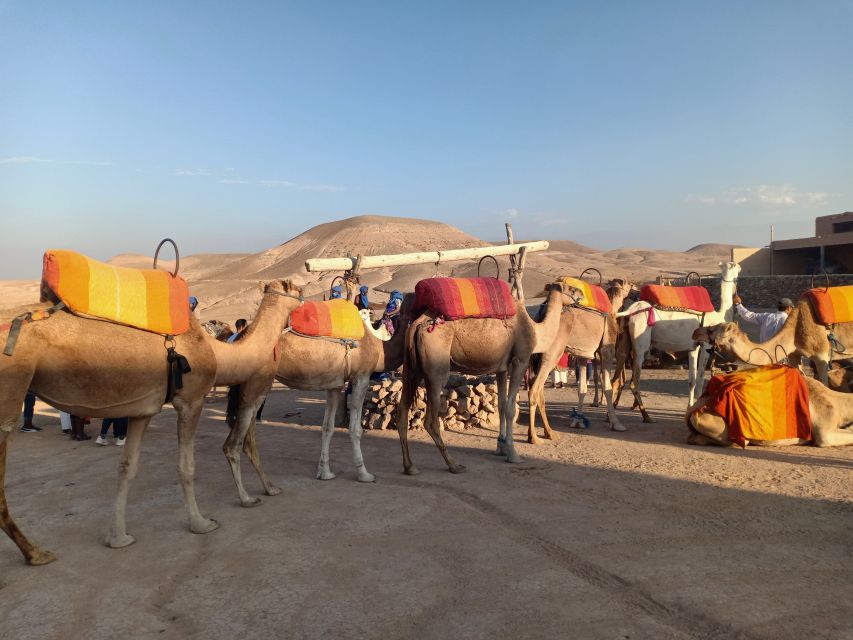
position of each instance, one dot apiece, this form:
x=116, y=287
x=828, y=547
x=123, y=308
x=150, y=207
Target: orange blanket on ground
x=766, y=403
x=456, y=298
x=147, y=299
x=692, y=298
x=594, y=297
x=331, y=319
x=832, y=305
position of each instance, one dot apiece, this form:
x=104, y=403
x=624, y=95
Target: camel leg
x=333, y=397
x=501, y=379
x=693, y=372
x=127, y=467
x=582, y=389
x=433, y=398
x=709, y=427
x=639, y=357
x=32, y=554
x=515, y=375
x=250, y=448
x=596, y=374
x=533, y=405
x=536, y=400
x=607, y=357
x=359, y=389
x=188, y=416
x=826, y=427
x=546, y=424
x=403, y=423
x=231, y=448
x=821, y=370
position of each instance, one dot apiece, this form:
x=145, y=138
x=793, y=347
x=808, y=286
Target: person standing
x=119, y=426
x=361, y=302
x=29, y=412
x=561, y=371
x=768, y=323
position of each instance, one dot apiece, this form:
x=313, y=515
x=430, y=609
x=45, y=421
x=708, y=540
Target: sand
x=597, y=535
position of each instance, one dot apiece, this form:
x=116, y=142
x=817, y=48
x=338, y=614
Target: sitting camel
x=802, y=336
x=91, y=367
x=581, y=331
x=672, y=331
x=829, y=411
x=473, y=346
x=327, y=364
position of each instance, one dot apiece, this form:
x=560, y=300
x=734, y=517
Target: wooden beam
x=427, y=257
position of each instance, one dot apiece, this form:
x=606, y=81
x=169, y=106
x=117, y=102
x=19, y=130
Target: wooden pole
x=427, y=257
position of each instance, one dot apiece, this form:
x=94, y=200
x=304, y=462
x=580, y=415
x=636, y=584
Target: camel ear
x=261, y=286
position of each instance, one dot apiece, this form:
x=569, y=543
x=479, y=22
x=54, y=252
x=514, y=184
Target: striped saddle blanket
x=688, y=298
x=337, y=319
x=148, y=299
x=832, y=305
x=456, y=298
x=594, y=297
x=766, y=403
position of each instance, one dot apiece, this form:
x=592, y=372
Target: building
x=830, y=250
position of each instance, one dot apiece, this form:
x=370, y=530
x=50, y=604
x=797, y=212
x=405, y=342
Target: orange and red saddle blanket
x=329, y=319
x=832, y=305
x=766, y=403
x=456, y=298
x=692, y=298
x=593, y=296
x=148, y=299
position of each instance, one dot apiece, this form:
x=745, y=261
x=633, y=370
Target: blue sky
x=235, y=126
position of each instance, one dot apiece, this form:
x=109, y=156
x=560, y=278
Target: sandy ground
x=597, y=535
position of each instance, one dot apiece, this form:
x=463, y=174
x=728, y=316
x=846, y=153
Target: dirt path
x=598, y=535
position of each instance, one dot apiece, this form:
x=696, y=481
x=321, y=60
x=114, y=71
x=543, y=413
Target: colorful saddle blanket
x=331, y=319
x=594, y=297
x=148, y=299
x=456, y=298
x=690, y=298
x=832, y=305
x=766, y=403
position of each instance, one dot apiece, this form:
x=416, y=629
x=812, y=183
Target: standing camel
x=802, y=336
x=474, y=346
x=581, y=331
x=91, y=367
x=327, y=364
x=672, y=332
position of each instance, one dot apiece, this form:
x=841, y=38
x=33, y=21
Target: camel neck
x=727, y=292
x=546, y=330
x=779, y=346
x=238, y=361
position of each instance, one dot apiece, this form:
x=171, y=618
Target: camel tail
x=411, y=376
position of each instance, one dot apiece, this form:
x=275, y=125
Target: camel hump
x=148, y=299
x=762, y=404
x=330, y=319
x=593, y=296
x=832, y=305
x=691, y=298
x=457, y=298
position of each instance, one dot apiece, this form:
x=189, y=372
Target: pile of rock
x=466, y=402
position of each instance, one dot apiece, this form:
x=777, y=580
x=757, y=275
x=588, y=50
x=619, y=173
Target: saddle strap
x=21, y=320
x=178, y=366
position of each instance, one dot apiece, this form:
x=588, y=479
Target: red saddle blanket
x=692, y=298
x=148, y=299
x=456, y=298
x=331, y=319
x=832, y=305
x=593, y=296
x=765, y=403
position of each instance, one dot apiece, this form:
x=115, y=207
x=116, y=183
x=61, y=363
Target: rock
x=464, y=391
x=386, y=421
x=452, y=394
x=480, y=389
x=389, y=409
x=451, y=411
x=492, y=388
x=396, y=386
x=383, y=393
x=489, y=407
x=420, y=404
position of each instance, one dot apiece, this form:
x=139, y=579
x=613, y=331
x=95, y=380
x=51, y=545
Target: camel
x=91, y=367
x=218, y=329
x=473, y=346
x=802, y=336
x=580, y=331
x=673, y=332
x=321, y=364
x=829, y=411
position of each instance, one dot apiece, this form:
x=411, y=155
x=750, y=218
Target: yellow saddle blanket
x=331, y=319
x=148, y=299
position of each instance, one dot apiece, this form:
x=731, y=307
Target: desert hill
x=227, y=284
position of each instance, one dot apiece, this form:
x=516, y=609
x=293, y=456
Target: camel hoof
x=458, y=468
x=534, y=440
x=550, y=435
x=39, y=557
x=514, y=458
x=207, y=525
x=618, y=426
x=649, y=421
x=366, y=477
x=119, y=542
x=499, y=450
x=251, y=502
x=272, y=490
x=325, y=475
x=411, y=471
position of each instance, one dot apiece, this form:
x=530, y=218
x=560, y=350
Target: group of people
x=75, y=426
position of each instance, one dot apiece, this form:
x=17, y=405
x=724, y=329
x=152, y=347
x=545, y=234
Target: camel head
x=622, y=287
x=283, y=287
x=729, y=270
x=722, y=335
x=570, y=294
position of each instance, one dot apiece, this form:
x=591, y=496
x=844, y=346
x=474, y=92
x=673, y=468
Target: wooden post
x=512, y=279
x=522, y=260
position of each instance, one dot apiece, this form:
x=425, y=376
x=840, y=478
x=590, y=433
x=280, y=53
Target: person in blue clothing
x=337, y=293
x=29, y=412
x=392, y=309
x=768, y=323
x=362, y=302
